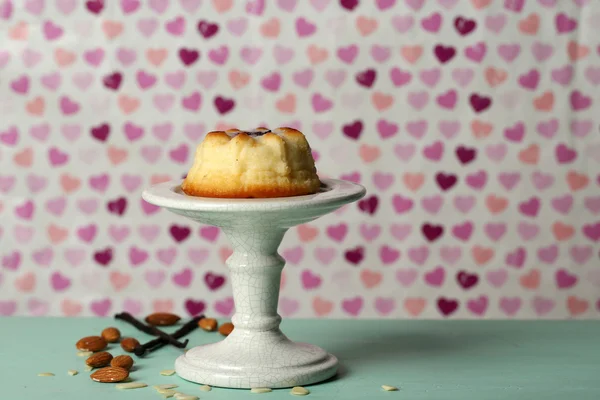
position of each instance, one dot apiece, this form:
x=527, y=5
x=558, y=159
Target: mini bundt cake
x=244, y=164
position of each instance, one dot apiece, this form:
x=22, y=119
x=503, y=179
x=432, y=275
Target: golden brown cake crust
x=253, y=164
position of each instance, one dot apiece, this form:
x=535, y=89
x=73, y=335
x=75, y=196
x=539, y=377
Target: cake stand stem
x=255, y=271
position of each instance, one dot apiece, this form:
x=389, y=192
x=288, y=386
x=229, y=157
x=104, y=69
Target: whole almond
x=101, y=359
x=129, y=344
x=91, y=343
x=162, y=319
x=208, y=324
x=110, y=374
x=122, y=361
x=111, y=335
x=226, y=329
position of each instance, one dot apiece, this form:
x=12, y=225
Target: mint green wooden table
x=426, y=359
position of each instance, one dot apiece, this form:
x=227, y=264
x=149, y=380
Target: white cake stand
x=256, y=353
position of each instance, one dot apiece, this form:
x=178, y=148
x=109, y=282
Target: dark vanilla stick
x=156, y=344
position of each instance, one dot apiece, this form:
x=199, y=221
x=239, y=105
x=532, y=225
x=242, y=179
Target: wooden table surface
x=425, y=359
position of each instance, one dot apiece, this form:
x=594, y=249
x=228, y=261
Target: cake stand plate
x=256, y=353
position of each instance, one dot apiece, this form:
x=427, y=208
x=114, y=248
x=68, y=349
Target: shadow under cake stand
x=256, y=353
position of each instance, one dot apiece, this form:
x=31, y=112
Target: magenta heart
x=348, y=54
x=194, y=307
x=495, y=231
x=353, y=306
x=214, y=281
x=87, y=233
x=401, y=204
x=225, y=307
x=548, y=254
x=476, y=52
x=183, y=278
x=137, y=256
x=59, y=281
x=12, y=261
x=337, y=232
x=435, y=277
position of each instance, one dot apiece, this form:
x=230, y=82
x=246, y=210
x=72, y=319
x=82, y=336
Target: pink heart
x=101, y=308
x=450, y=254
x=325, y=255
x=149, y=232
x=35, y=183
x=207, y=78
x=237, y=26
x=134, y=307
x=198, y=256
x=225, y=307
x=37, y=308
x=497, y=277
x=154, y=278
x=166, y=256
x=288, y=307
x=160, y=6
x=183, y=278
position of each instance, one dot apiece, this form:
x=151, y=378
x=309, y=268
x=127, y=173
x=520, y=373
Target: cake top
x=254, y=133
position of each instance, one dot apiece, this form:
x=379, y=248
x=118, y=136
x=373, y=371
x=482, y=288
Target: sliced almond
x=389, y=388
x=84, y=353
x=45, y=374
x=166, y=393
x=131, y=385
x=260, y=390
x=88, y=368
x=299, y=391
x=72, y=372
x=167, y=372
x=165, y=386
x=205, y=388
x=183, y=396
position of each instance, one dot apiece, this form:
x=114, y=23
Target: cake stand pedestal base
x=256, y=353
x=256, y=359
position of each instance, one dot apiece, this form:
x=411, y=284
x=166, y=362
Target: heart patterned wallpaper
x=473, y=124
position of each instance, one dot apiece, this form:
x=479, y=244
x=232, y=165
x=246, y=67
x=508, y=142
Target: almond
x=162, y=319
x=129, y=344
x=226, y=329
x=91, y=343
x=111, y=335
x=110, y=374
x=208, y=324
x=124, y=362
x=101, y=359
